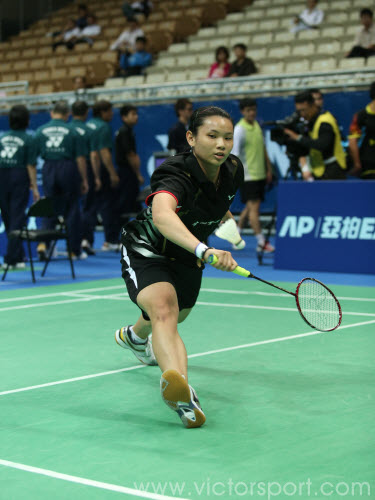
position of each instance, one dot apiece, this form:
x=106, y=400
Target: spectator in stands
x=128, y=37
x=310, y=18
x=64, y=171
x=128, y=162
x=79, y=83
x=242, y=66
x=362, y=139
x=134, y=62
x=248, y=145
x=133, y=9
x=81, y=22
x=62, y=37
x=87, y=35
x=177, y=134
x=104, y=200
x=326, y=154
x=17, y=175
x=220, y=69
x=364, y=42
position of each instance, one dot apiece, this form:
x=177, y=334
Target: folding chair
x=51, y=207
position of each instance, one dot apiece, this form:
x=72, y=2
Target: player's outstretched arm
x=171, y=227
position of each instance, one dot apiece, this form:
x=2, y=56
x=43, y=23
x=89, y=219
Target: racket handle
x=212, y=259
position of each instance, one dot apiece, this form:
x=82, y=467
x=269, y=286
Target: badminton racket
x=228, y=231
x=316, y=303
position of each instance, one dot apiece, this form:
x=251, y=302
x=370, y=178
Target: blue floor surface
x=106, y=265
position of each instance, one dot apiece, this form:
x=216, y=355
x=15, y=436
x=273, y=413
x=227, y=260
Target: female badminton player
x=163, y=251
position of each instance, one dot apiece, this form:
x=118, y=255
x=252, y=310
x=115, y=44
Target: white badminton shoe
x=143, y=352
x=180, y=397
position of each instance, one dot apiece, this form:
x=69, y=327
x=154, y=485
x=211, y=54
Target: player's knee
x=164, y=308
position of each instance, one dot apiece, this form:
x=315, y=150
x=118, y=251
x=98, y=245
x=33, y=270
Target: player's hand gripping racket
x=317, y=305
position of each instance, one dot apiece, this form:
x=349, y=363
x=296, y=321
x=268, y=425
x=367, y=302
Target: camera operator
x=326, y=154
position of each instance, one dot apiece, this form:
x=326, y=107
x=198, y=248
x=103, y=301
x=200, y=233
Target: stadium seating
x=185, y=50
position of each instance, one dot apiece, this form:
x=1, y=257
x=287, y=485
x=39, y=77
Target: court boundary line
x=82, y=297
x=209, y=290
x=86, y=482
x=191, y=356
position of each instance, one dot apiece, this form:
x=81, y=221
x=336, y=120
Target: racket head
x=318, y=305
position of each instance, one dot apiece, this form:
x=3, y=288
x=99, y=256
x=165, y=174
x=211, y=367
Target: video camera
x=292, y=122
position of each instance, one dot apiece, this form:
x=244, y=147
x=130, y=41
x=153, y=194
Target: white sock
x=260, y=239
x=134, y=337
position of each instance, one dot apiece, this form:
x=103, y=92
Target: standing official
x=17, y=175
x=64, y=171
x=80, y=110
x=177, y=134
x=105, y=202
x=128, y=162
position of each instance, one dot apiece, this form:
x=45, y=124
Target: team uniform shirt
x=124, y=144
x=86, y=134
x=363, y=129
x=17, y=149
x=200, y=206
x=58, y=140
x=248, y=145
x=102, y=134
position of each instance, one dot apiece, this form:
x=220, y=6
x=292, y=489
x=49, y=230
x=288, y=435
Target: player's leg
x=244, y=215
x=159, y=300
x=253, y=211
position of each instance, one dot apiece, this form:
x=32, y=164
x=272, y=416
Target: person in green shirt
x=105, y=199
x=64, y=171
x=80, y=111
x=17, y=175
x=248, y=145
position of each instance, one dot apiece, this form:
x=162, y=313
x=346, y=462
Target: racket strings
x=318, y=305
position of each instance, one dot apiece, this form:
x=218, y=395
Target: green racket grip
x=212, y=259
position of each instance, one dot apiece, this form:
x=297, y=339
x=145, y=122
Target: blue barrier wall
x=326, y=226
x=155, y=121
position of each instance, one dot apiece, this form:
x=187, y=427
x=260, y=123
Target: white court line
x=210, y=290
x=87, y=482
x=80, y=297
x=207, y=353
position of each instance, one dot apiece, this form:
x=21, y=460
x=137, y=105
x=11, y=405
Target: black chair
x=51, y=207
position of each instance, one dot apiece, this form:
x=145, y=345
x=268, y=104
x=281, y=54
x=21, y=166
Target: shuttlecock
x=229, y=231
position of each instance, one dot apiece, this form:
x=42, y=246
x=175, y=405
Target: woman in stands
x=163, y=255
x=220, y=68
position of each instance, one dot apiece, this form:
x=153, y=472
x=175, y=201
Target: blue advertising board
x=326, y=226
x=155, y=121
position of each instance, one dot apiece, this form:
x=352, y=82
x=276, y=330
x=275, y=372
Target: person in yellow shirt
x=327, y=158
x=248, y=145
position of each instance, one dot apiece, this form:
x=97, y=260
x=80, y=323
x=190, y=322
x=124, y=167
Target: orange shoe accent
x=177, y=395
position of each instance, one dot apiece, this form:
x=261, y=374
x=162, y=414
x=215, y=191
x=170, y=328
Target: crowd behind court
x=78, y=163
x=134, y=56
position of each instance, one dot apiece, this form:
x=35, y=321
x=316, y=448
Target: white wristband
x=200, y=249
x=305, y=169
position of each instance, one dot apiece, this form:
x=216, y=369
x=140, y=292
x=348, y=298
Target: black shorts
x=252, y=190
x=139, y=272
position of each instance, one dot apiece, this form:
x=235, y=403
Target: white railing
x=22, y=85
x=258, y=85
